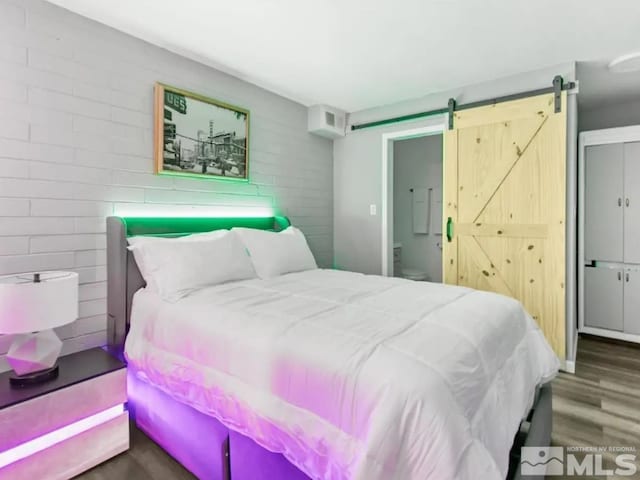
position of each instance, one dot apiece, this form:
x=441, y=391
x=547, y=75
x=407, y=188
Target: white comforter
x=352, y=376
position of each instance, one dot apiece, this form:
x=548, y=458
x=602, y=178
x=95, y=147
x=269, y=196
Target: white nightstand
x=61, y=428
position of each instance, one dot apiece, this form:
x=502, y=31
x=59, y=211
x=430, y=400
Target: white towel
x=436, y=210
x=420, y=210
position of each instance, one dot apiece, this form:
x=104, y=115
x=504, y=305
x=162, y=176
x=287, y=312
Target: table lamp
x=31, y=306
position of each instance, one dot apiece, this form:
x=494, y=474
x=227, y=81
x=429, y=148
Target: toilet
x=413, y=274
x=408, y=273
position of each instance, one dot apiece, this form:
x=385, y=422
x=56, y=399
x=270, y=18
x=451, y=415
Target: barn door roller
x=557, y=94
x=452, y=108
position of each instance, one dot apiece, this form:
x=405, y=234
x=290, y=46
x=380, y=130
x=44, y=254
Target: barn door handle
x=449, y=229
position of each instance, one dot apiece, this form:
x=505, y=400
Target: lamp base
x=34, y=378
x=33, y=353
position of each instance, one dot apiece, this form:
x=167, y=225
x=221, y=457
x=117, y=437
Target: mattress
x=351, y=376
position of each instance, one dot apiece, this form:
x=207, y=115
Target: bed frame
x=199, y=442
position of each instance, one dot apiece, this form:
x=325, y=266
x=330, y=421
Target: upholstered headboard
x=123, y=276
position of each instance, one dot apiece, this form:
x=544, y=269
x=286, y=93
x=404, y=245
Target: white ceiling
x=599, y=86
x=357, y=54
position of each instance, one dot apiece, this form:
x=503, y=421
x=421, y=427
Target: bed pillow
x=138, y=253
x=274, y=254
x=194, y=237
x=174, y=268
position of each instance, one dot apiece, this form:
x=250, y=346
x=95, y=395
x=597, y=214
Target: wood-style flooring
x=143, y=461
x=598, y=406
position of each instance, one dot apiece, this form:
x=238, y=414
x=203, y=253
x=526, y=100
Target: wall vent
x=326, y=121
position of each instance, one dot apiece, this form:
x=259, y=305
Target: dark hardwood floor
x=598, y=406
x=143, y=461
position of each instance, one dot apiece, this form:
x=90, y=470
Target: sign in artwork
x=176, y=101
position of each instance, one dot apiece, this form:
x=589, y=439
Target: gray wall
x=357, y=184
x=611, y=115
x=417, y=162
x=76, y=137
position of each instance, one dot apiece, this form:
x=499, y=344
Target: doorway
x=417, y=208
x=412, y=203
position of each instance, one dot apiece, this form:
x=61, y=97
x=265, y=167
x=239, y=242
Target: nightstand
x=61, y=428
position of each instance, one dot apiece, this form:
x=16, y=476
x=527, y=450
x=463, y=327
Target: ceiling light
x=626, y=63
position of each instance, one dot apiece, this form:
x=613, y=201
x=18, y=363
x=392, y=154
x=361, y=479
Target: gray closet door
x=603, y=297
x=603, y=225
x=632, y=202
x=632, y=302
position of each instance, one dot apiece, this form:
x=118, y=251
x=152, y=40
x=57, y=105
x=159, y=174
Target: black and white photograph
x=199, y=136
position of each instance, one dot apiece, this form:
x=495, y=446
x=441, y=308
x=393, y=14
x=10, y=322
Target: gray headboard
x=123, y=276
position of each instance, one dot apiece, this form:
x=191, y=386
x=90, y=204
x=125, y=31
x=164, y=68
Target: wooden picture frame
x=197, y=136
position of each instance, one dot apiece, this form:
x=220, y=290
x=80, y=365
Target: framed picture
x=196, y=136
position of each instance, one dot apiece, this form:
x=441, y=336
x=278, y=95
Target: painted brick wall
x=76, y=137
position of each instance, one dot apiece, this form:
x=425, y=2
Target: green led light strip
x=176, y=226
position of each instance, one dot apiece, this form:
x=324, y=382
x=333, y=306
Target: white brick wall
x=76, y=113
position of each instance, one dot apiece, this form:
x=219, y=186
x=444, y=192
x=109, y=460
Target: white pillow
x=194, y=237
x=138, y=253
x=274, y=254
x=176, y=268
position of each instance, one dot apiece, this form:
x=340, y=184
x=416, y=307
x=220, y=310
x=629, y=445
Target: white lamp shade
x=28, y=306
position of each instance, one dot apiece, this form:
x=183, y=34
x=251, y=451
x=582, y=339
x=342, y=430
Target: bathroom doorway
x=417, y=207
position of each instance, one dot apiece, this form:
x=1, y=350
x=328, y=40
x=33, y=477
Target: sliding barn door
x=504, y=212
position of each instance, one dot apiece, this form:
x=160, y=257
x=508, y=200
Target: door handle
x=449, y=229
x=626, y=277
x=619, y=276
x=619, y=201
x=627, y=202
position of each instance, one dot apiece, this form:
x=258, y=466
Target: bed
x=327, y=374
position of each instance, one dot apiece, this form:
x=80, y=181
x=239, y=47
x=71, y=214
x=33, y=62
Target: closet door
x=632, y=301
x=603, y=297
x=603, y=223
x=632, y=202
x=505, y=205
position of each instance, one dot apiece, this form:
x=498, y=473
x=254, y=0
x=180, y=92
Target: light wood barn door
x=504, y=182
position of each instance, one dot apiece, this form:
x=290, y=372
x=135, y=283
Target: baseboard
x=600, y=332
x=569, y=366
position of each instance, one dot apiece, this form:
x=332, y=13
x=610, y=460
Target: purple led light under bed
x=200, y=442
x=249, y=461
